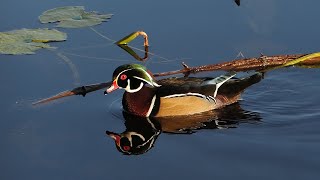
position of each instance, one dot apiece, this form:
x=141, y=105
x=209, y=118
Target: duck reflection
x=141, y=132
x=139, y=136
x=228, y=117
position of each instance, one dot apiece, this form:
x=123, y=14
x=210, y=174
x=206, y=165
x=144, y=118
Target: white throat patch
x=133, y=90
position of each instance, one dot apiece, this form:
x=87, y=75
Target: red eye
x=123, y=77
x=126, y=148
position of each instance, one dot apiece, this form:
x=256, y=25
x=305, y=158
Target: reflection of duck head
x=139, y=136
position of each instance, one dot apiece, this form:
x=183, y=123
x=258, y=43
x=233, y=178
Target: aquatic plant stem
x=132, y=36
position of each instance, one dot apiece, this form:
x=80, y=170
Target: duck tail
x=243, y=83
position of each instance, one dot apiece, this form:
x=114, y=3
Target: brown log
x=261, y=63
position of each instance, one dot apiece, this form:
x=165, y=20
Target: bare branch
x=261, y=63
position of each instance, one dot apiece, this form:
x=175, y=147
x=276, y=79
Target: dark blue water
x=66, y=139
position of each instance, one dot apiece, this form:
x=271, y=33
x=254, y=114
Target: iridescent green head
x=131, y=77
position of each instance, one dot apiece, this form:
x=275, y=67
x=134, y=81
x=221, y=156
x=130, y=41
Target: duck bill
x=116, y=137
x=113, y=87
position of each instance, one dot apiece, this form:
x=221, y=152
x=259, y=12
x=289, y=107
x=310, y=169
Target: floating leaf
x=26, y=41
x=132, y=36
x=73, y=17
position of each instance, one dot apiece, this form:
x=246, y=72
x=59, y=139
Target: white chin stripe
x=133, y=90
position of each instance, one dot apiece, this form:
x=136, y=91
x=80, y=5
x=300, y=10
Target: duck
x=175, y=96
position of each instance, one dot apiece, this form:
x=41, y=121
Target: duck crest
x=140, y=103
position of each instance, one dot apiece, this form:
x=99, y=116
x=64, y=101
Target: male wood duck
x=147, y=97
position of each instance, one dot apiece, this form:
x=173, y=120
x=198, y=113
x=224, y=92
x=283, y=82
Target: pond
x=271, y=133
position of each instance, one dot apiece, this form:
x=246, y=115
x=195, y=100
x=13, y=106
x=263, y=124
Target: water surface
x=66, y=139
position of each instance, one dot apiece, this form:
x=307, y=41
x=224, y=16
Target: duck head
x=131, y=77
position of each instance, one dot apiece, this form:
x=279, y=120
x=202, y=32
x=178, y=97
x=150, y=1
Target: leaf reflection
x=141, y=133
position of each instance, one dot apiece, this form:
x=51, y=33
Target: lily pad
x=73, y=17
x=26, y=41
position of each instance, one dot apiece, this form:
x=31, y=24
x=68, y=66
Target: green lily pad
x=26, y=41
x=73, y=17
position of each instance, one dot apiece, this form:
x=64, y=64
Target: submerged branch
x=262, y=63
